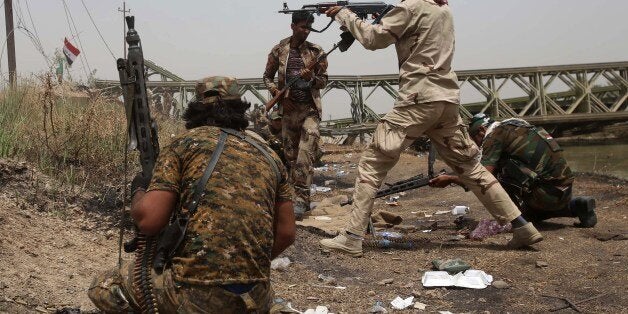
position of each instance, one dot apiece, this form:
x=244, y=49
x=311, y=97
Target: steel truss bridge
x=564, y=96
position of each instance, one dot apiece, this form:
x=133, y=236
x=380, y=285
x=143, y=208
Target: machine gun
x=376, y=9
x=142, y=131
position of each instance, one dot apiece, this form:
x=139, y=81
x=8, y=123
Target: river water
x=609, y=159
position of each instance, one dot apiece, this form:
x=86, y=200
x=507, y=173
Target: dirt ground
x=52, y=245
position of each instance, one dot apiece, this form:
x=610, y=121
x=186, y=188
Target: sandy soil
x=52, y=241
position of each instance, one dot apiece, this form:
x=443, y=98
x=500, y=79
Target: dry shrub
x=77, y=137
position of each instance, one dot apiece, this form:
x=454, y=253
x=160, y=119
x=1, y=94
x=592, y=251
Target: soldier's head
x=275, y=120
x=478, y=126
x=301, y=26
x=217, y=103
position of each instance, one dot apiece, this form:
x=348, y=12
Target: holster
x=169, y=241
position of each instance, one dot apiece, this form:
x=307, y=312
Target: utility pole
x=8, y=16
x=124, y=12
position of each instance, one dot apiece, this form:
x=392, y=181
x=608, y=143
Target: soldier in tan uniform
x=243, y=220
x=300, y=107
x=428, y=103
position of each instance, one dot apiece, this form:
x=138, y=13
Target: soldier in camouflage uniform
x=271, y=132
x=530, y=165
x=244, y=218
x=301, y=105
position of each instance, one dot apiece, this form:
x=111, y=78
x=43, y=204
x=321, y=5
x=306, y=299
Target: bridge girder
x=596, y=88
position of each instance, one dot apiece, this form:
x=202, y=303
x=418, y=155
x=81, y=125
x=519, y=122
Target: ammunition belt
x=142, y=284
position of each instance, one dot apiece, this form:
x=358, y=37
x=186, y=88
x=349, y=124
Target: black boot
x=584, y=208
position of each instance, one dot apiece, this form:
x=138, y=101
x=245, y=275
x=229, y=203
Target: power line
x=68, y=17
x=98, y=30
x=28, y=9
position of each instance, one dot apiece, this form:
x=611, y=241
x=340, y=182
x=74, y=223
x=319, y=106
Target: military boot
x=584, y=208
x=344, y=242
x=524, y=236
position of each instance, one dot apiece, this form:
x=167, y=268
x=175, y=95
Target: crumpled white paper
x=399, y=304
x=471, y=278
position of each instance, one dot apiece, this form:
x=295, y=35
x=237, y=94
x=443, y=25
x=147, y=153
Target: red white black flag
x=70, y=51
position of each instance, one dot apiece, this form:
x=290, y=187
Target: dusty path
x=48, y=255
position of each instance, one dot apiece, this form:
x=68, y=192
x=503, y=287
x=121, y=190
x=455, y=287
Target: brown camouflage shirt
x=278, y=61
x=230, y=237
x=510, y=141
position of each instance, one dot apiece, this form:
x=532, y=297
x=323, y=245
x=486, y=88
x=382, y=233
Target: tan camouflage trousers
x=111, y=292
x=300, y=136
x=441, y=122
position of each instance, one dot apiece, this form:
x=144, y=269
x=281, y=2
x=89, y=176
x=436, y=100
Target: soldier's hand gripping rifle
x=142, y=131
x=374, y=9
x=344, y=44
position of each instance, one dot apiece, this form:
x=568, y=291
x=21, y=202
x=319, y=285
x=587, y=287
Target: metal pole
x=124, y=12
x=8, y=15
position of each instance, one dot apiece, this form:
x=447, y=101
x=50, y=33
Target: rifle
x=415, y=182
x=344, y=44
x=142, y=131
x=376, y=9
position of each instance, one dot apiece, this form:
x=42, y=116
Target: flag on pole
x=70, y=51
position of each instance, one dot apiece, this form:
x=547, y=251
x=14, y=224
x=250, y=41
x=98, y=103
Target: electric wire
x=28, y=9
x=82, y=57
x=98, y=30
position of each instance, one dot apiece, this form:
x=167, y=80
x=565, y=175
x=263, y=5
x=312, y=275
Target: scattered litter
x=313, y=205
x=322, y=189
x=322, y=218
x=349, y=155
x=319, y=310
x=472, y=278
x=292, y=286
x=378, y=308
x=488, y=228
x=392, y=203
x=323, y=168
x=426, y=231
x=442, y=212
x=561, y=238
x=332, y=287
x=452, y=266
x=460, y=210
x=541, y=264
x=500, y=284
x=399, y=304
x=327, y=280
x=341, y=173
x=444, y=312
x=420, y=306
x=389, y=234
x=329, y=182
x=280, y=263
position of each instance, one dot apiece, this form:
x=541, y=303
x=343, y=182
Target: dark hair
x=223, y=114
x=301, y=16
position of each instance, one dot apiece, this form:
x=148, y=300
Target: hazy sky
x=199, y=38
